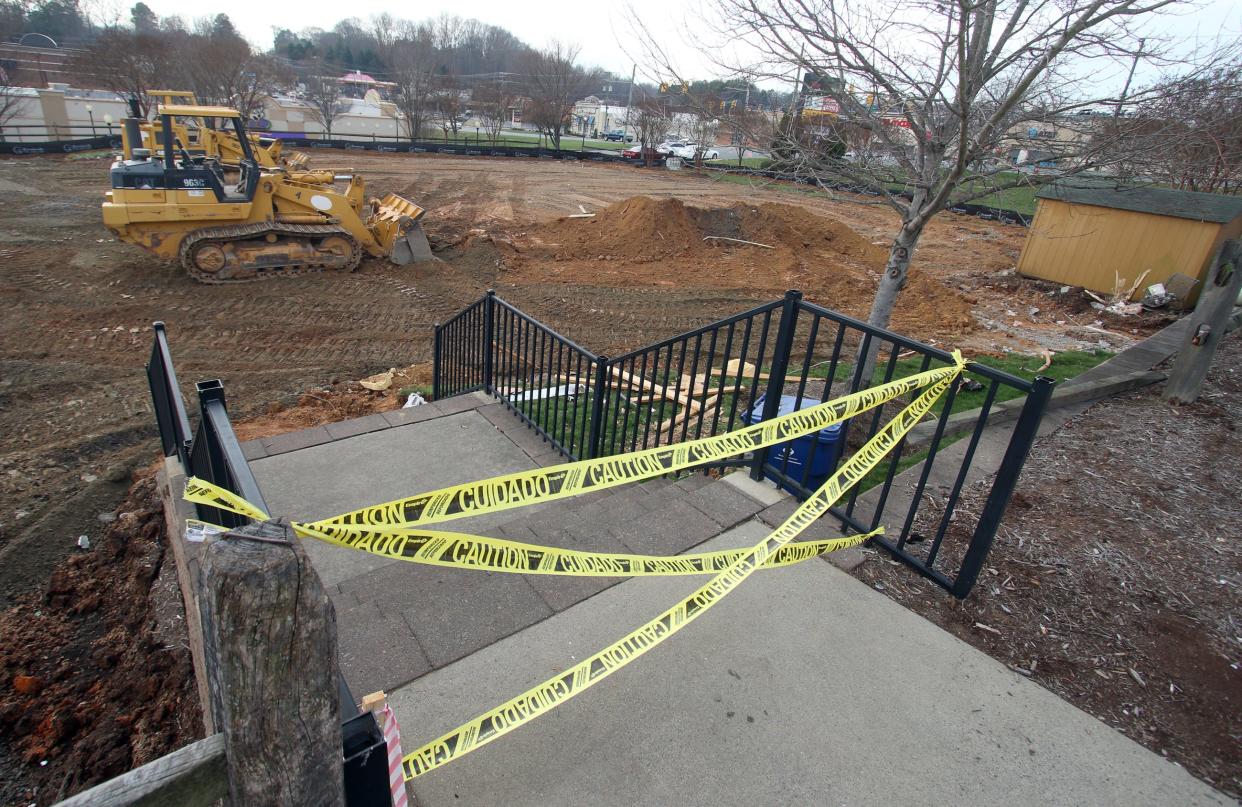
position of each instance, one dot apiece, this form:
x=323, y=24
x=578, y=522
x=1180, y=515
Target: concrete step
x=658, y=517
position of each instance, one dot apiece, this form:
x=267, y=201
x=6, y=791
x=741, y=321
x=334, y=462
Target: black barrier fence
x=213, y=453
x=59, y=146
x=485, y=148
x=748, y=368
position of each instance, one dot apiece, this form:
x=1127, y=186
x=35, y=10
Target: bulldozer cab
x=175, y=168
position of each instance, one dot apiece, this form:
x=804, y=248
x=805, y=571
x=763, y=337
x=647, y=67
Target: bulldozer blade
x=395, y=224
x=412, y=247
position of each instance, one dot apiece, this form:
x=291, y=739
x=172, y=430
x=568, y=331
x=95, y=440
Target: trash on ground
x=380, y=381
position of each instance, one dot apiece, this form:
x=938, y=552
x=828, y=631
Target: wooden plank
x=1005, y=411
x=186, y=555
x=269, y=632
x=193, y=776
x=1208, y=326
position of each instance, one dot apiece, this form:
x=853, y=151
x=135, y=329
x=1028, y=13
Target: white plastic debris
x=84, y=542
x=414, y=400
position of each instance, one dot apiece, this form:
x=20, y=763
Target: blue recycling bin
x=793, y=456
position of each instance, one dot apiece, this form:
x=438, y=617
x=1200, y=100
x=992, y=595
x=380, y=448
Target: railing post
x=599, y=395
x=435, y=363
x=777, y=372
x=489, y=326
x=269, y=635
x=1024, y=433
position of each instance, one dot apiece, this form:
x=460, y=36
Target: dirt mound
x=647, y=242
x=95, y=674
x=637, y=229
x=644, y=229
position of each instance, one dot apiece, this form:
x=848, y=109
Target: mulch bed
x=1116, y=579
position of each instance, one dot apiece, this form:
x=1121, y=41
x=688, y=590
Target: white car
x=691, y=151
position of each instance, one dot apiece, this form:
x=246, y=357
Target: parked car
x=692, y=151
x=638, y=153
x=617, y=136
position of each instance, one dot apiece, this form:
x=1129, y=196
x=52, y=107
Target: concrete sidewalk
x=803, y=686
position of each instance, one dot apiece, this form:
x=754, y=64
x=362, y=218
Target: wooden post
x=1207, y=325
x=269, y=635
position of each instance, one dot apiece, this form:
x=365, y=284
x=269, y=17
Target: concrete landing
x=397, y=620
x=802, y=687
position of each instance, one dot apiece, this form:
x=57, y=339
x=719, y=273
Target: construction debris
x=380, y=381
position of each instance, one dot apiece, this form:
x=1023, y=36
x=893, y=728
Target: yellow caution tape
x=562, y=481
x=462, y=550
x=385, y=534
x=200, y=491
x=394, y=538
x=556, y=690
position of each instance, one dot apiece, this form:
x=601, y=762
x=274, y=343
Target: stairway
x=403, y=620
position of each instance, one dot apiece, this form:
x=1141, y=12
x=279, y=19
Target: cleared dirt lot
x=78, y=307
x=74, y=407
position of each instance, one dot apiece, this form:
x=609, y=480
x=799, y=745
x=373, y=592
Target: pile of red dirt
x=337, y=401
x=95, y=672
x=647, y=242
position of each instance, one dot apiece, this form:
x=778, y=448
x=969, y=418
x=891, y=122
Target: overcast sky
x=600, y=29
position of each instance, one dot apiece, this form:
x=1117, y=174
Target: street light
x=108, y=122
x=90, y=110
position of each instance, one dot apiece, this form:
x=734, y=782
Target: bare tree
x=1188, y=136
x=11, y=103
x=323, y=93
x=411, y=60
x=492, y=105
x=262, y=76
x=652, y=126
x=448, y=105
x=130, y=64
x=704, y=123
x=937, y=86
x=554, y=83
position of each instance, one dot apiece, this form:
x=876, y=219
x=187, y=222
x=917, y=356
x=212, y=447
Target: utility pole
x=629, y=103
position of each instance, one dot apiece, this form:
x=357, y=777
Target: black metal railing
x=748, y=368
x=214, y=454
x=170, y=414
x=212, y=451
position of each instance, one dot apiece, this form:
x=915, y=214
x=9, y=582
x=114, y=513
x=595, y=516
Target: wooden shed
x=1094, y=234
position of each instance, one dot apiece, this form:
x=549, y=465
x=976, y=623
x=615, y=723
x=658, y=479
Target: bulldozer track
x=246, y=232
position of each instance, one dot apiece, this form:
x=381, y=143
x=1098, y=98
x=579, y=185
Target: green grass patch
x=758, y=163
x=422, y=389
x=631, y=418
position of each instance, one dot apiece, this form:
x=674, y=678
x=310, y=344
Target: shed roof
x=1212, y=207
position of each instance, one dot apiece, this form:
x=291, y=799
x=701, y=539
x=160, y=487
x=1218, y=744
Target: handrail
x=914, y=344
x=170, y=413
x=744, y=369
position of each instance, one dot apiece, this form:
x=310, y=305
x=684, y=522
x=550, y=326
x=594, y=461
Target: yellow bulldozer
x=199, y=137
x=269, y=221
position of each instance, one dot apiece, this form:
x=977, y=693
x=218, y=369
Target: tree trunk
x=895, y=273
x=891, y=283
